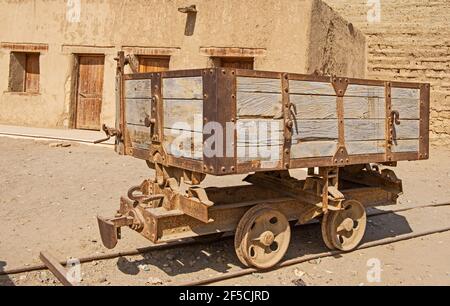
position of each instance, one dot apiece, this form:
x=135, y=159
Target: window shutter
x=17, y=68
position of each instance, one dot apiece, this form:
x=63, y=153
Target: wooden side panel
x=139, y=136
x=361, y=130
x=407, y=102
x=313, y=149
x=182, y=143
x=183, y=88
x=408, y=129
x=354, y=90
x=184, y=115
x=251, y=104
x=138, y=89
x=316, y=130
x=404, y=146
x=365, y=119
x=311, y=88
x=259, y=140
x=366, y=147
x=137, y=95
x=137, y=110
x=247, y=84
x=311, y=107
x=364, y=108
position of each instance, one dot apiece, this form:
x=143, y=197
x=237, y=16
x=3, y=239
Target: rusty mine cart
x=344, y=131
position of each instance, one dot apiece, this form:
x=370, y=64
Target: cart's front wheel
x=346, y=227
x=262, y=237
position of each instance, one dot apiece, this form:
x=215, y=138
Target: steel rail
x=295, y=261
x=168, y=246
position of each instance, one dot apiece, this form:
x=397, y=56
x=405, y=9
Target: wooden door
x=90, y=92
x=153, y=63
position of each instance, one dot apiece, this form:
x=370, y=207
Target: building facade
x=57, y=57
x=408, y=40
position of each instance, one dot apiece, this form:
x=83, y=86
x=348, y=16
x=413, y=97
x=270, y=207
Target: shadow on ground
x=4, y=279
x=220, y=256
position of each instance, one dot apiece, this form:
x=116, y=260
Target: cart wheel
x=347, y=227
x=326, y=232
x=262, y=237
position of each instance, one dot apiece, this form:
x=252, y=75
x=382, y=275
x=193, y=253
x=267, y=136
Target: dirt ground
x=51, y=195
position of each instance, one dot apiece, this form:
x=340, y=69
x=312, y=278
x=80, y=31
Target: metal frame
x=219, y=88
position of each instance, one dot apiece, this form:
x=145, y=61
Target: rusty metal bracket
x=110, y=229
x=393, y=121
x=110, y=132
x=341, y=156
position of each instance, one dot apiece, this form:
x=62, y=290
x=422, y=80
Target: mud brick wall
x=411, y=43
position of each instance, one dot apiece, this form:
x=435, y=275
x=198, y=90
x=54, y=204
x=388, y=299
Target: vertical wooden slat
x=32, y=73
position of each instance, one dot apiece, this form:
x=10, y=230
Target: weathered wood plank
x=139, y=136
x=312, y=149
x=185, y=144
x=366, y=147
x=360, y=129
x=262, y=132
x=259, y=153
x=311, y=88
x=354, y=90
x=404, y=146
x=246, y=84
x=183, y=88
x=405, y=93
x=184, y=115
x=316, y=130
x=408, y=129
x=259, y=104
x=364, y=108
x=137, y=110
x=407, y=108
x=315, y=107
x=138, y=89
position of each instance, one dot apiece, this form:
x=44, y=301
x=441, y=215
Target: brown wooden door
x=90, y=92
x=153, y=63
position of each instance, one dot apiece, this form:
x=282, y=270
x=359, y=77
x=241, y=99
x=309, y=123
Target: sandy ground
x=51, y=195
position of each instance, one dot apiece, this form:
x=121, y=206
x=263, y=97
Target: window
x=24, y=72
x=153, y=63
x=234, y=62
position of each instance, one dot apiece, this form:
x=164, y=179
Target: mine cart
x=221, y=121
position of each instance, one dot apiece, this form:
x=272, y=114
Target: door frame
x=75, y=73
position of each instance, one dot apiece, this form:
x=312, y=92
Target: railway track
x=245, y=271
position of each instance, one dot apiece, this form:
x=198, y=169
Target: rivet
x=233, y=168
x=286, y=165
x=224, y=169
